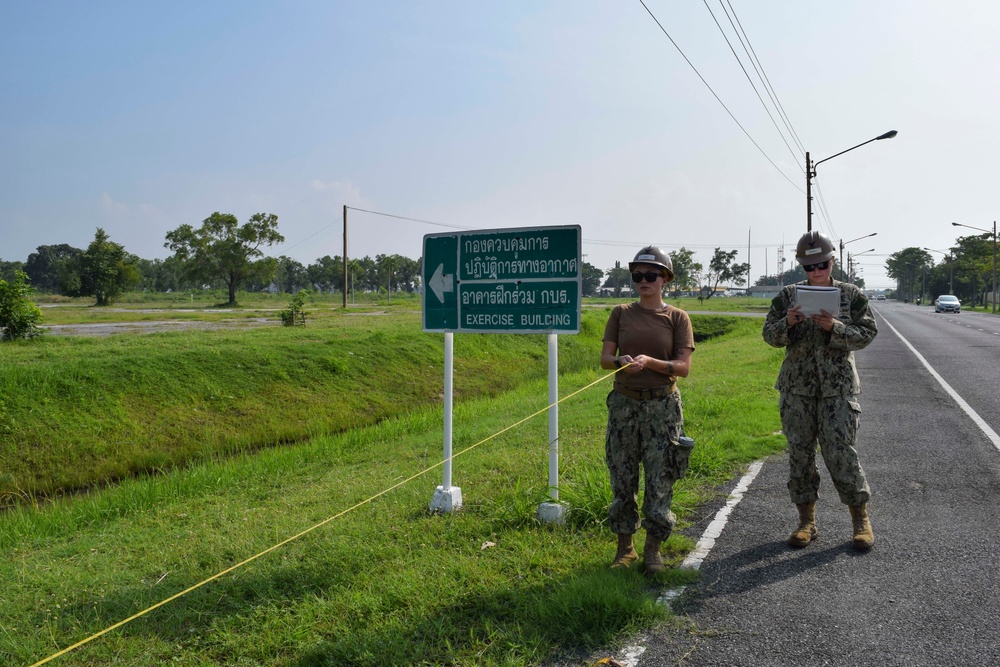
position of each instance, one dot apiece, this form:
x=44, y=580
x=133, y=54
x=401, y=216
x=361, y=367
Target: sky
x=140, y=117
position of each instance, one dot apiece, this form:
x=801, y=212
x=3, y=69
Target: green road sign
x=525, y=280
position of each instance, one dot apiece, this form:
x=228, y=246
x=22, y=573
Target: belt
x=644, y=394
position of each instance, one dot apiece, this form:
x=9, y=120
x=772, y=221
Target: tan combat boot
x=626, y=553
x=807, y=531
x=651, y=559
x=864, y=537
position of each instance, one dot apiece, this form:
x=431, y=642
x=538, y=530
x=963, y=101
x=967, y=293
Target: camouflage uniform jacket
x=820, y=363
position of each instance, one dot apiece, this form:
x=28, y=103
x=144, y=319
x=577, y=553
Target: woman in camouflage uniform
x=651, y=342
x=819, y=387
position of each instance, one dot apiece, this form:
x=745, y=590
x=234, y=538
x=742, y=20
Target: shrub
x=295, y=314
x=19, y=316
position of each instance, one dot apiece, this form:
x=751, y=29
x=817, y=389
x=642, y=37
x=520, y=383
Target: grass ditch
x=81, y=412
x=388, y=583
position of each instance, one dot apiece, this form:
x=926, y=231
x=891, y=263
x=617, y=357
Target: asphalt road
x=928, y=593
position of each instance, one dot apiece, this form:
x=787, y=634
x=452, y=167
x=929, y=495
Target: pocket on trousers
x=684, y=447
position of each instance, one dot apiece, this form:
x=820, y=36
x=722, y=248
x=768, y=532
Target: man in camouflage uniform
x=819, y=386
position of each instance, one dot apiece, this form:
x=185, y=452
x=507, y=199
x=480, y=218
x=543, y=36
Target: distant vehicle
x=947, y=303
x=880, y=297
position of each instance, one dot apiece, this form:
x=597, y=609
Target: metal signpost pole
x=447, y=498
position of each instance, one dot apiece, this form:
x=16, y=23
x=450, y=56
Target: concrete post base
x=551, y=513
x=446, y=500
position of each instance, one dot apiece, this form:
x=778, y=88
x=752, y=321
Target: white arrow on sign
x=441, y=283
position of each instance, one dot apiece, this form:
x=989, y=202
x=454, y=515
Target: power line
x=298, y=243
x=403, y=217
x=765, y=79
x=747, y=75
x=824, y=213
x=718, y=99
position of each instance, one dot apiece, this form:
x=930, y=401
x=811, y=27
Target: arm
x=859, y=332
x=609, y=352
x=679, y=366
x=780, y=320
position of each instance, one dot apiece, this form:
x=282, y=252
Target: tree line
x=223, y=254
x=965, y=270
x=220, y=254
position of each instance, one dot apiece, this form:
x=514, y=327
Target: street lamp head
x=888, y=135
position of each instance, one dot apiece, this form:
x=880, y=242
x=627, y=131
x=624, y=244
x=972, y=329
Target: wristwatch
x=618, y=362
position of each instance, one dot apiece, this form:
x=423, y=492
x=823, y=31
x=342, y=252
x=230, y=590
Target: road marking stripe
x=714, y=530
x=700, y=551
x=979, y=421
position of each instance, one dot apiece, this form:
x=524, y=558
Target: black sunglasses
x=650, y=276
x=809, y=268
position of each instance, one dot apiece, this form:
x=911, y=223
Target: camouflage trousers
x=831, y=421
x=644, y=432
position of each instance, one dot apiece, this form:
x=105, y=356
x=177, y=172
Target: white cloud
x=110, y=205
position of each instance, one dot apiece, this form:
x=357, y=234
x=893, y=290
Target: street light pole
x=852, y=261
x=843, y=243
x=993, y=292
x=811, y=173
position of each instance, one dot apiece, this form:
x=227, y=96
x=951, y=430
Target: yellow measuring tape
x=309, y=530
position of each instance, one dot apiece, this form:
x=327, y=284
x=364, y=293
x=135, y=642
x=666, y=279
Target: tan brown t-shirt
x=660, y=334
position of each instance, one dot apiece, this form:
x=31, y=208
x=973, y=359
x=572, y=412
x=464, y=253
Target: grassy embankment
x=386, y=583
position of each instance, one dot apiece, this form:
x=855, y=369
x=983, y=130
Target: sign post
x=521, y=280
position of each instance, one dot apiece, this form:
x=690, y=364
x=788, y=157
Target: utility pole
x=781, y=265
x=345, y=256
x=809, y=196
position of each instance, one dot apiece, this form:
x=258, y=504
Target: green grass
x=82, y=411
x=75, y=412
x=388, y=583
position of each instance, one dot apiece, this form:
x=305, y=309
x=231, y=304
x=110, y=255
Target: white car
x=947, y=303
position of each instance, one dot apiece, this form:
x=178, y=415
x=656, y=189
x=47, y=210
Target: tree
x=19, y=316
x=104, y=271
x=740, y=274
x=365, y=271
x=8, y=270
x=687, y=272
x=407, y=273
x=591, y=278
x=618, y=277
x=46, y=263
x=291, y=275
x=906, y=267
x=723, y=268
x=161, y=275
x=223, y=250
x=326, y=273
x=974, y=255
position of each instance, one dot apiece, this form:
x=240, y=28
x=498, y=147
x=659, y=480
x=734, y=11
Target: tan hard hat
x=814, y=247
x=653, y=255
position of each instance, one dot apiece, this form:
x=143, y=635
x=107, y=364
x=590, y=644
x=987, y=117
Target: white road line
x=700, y=551
x=973, y=415
x=714, y=530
